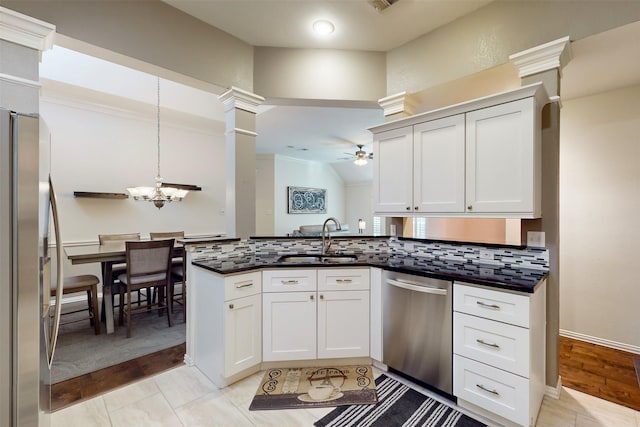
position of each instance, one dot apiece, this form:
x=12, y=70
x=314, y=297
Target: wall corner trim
x=397, y=103
x=25, y=30
x=241, y=99
x=554, y=392
x=554, y=54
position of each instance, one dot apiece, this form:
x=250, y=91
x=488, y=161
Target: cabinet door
x=438, y=165
x=243, y=334
x=289, y=326
x=343, y=324
x=503, y=154
x=393, y=175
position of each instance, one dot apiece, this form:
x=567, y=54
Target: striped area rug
x=398, y=405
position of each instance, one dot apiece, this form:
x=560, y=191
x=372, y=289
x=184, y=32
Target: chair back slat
x=114, y=238
x=166, y=234
x=149, y=257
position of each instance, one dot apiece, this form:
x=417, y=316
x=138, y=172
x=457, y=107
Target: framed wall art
x=306, y=200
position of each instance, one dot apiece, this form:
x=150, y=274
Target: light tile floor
x=184, y=397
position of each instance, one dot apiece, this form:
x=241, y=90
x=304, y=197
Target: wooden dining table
x=107, y=255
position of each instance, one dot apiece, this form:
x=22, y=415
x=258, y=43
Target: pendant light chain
x=158, y=121
x=158, y=194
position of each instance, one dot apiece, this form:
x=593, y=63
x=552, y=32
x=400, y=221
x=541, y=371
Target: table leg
x=106, y=295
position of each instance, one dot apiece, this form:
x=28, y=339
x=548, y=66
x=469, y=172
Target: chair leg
x=94, y=315
x=90, y=308
x=121, y=306
x=169, y=301
x=128, y=312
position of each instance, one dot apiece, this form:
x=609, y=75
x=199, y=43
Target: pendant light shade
x=158, y=194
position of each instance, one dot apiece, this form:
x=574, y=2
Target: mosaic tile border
x=502, y=257
x=528, y=258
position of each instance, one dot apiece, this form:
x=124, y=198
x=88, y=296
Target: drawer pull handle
x=344, y=280
x=311, y=297
x=231, y=306
x=289, y=282
x=488, y=344
x=481, y=387
x=489, y=306
x=246, y=284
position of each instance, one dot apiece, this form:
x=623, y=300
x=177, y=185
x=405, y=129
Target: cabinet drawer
x=343, y=279
x=494, y=343
x=495, y=305
x=289, y=280
x=242, y=285
x=492, y=389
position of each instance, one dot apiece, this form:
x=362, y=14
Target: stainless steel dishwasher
x=417, y=328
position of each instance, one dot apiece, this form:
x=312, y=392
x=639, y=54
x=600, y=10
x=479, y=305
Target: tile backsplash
x=529, y=258
x=423, y=250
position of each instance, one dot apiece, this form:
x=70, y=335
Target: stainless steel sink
x=338, y=258
x=308, y=258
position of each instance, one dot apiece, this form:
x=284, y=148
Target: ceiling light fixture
x=323, y=27
x=158, y=194
x=361, y=156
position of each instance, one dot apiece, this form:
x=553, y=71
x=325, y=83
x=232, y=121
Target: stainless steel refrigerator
x=28, y=318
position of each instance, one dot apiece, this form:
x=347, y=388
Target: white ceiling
x=358, y=26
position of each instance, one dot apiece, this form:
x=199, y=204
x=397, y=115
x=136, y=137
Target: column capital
x=241, y=99
x=555, y=54
x=397, y=103
x=25, y=30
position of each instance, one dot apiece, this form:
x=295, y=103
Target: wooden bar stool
x=80, y=283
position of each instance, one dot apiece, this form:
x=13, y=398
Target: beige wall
x=319, y=74
x=600, y=199
x=150, y=31
x=486, y=38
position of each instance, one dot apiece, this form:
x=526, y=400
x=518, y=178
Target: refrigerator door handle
x=59, y=276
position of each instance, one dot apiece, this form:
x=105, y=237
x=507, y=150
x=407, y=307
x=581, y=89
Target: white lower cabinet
x=343, y=324
x=228, y=332
x=499, y=352
x=309, y=314
x=289, y=331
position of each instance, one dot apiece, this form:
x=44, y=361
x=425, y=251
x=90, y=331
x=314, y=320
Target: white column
x=22, y=40
x=544, y=63
x=240, y=109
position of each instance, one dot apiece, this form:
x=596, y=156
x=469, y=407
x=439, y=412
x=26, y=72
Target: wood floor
x=599, y=371
x=68, y=392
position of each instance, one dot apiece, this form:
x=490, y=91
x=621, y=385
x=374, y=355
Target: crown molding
x=25, y=30
x=397, y=103
x=555, y=54
x=241, y=99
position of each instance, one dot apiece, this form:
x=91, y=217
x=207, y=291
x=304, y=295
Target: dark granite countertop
x=521, y=280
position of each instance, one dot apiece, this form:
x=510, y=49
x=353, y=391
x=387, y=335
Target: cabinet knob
x=321, y=296
x=408, y=208
x=231, y=306
x=469, y=207
x=415, y=208
x=311, y=297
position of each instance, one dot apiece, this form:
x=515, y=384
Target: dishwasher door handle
x=417, y=287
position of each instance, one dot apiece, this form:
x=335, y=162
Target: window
x=420, y=228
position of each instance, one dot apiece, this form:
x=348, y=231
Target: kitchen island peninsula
x=269, y=302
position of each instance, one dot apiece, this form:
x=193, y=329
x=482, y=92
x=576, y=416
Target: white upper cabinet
x=503, y=159
x=438, y=164
x=393, y=172
x=479, y=158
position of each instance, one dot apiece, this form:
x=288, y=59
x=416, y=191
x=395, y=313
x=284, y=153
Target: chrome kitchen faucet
x=325, y=232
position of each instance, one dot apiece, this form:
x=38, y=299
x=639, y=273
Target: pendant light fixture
x=159, y=195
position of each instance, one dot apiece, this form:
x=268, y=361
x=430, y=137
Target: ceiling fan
x=361, y=156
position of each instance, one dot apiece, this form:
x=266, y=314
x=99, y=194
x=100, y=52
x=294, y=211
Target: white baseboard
x=554, y=392
x=601, y=341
